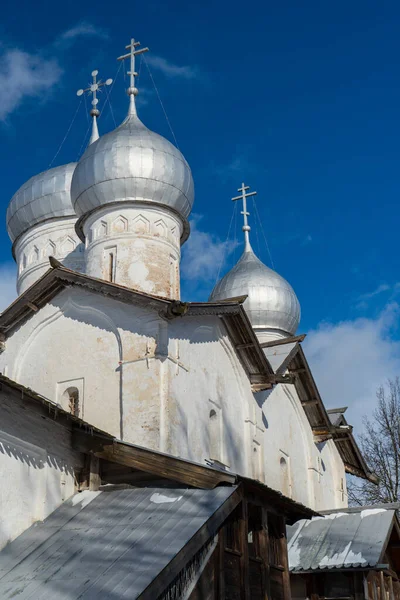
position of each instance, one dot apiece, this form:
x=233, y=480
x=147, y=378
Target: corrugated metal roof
x=339, y=540
x=105, y=545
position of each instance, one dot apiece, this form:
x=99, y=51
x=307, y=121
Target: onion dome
x=129, y=164
x=132, y=164
x=43, y=197
x=271, y=302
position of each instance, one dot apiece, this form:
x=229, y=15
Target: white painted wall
x=36, y=465
x=155, y=383
x=56, y=238
x=136, y=245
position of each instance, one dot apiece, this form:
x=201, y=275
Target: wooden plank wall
x=250, y=561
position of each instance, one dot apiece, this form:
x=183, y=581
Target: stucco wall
x=36, y=465
x=136, y=245
x=175, y=386
x=56, y=238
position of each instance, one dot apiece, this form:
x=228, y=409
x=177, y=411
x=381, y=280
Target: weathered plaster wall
x=53, y=238
x=136, y=245
x=175, y=386
x=36, y=465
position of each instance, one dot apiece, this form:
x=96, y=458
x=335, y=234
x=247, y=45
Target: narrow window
x=214, y=435
x=111, y=266
x=285, y=483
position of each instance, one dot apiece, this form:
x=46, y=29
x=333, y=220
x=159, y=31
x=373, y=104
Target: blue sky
x=298, y=99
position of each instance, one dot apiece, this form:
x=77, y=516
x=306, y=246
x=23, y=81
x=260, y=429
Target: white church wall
x=209, y=395
x=102, y=348
x=136, y=245
x=36, y=465
x=52, y=238
x=175, y=386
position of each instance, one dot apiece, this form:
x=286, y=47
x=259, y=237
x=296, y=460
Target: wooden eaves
x=231, y=313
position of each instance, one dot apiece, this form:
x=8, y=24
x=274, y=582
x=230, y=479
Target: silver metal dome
x=132, y=163
x=271, y=302
x=43, y=197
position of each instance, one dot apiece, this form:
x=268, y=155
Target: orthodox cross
x=132, y=90
x=93, y=88
x=245, y=214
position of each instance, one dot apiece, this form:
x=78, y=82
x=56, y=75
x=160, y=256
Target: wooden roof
x=231, y=312
x=326, y=424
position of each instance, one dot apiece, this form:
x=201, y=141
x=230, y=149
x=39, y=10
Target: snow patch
x=346, y=557
x=371, y=511
x=84, y=498
x=161, y=499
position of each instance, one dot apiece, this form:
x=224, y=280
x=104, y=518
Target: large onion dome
x=43, y=197
x=132, y=164
x=271, y=302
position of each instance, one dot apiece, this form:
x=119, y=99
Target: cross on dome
x=93, y=88
x=132, y=90
x=246, y=227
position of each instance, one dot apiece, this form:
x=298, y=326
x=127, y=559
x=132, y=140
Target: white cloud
x=383, y=287
x=24, y=75
x=351, y=359
x=204, y=256
x=169, y=69
x=82, y=29
x=8, y=278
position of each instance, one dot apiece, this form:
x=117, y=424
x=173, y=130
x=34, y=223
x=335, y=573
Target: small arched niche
x=284, y=476
x=70, y=399
x=214, y=435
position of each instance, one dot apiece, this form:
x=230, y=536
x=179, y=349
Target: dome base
x=135, y=245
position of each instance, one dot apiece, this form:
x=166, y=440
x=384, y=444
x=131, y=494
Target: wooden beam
x=94, y=477
x=321, y=430
x=165, y=466
x=244, y=550
x=285, y=561
x=312, y=402
x=289, y=340
x=264, y=551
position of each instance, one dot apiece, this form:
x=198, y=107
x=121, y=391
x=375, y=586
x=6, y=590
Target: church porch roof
x=114, y=544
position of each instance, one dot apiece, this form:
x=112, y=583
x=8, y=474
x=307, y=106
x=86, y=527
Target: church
x=121, y=402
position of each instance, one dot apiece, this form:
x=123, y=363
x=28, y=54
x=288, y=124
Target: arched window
x=284, y=476
x=215, y=435
x=71, y=400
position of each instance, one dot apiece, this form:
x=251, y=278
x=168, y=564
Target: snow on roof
x=339, y=540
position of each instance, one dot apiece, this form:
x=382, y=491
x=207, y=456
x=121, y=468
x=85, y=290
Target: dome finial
x=246, y=227
x=93, y=88
x=132, y=90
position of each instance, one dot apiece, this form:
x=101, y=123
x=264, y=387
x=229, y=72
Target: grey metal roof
x=336, y=415
x=271, y=301
x=132, y=164
x=339, y=540
x=278, y=355
x=105, y=545
x=44, y=196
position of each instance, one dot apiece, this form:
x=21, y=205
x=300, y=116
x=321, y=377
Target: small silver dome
x=271, y=302
x=132, y=163
x=43, y=197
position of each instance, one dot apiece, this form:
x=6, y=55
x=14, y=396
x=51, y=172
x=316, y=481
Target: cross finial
x=132, y=90
x=93, y=88
x=246, y=227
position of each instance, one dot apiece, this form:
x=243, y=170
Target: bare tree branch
x=380, y=444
